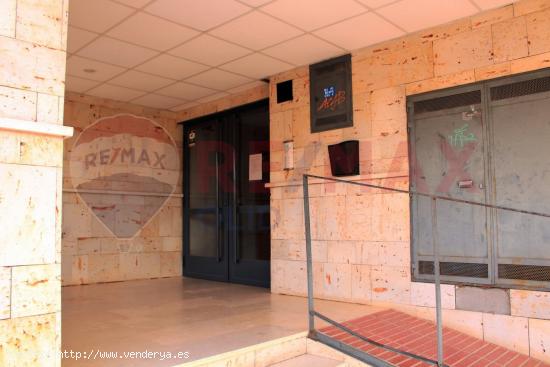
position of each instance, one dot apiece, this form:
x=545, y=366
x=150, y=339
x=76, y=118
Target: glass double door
x=226, y=204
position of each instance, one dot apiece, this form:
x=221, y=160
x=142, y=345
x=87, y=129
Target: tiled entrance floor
x=179, y=314
x=418, y=336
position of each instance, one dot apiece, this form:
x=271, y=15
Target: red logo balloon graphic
x=124, y=168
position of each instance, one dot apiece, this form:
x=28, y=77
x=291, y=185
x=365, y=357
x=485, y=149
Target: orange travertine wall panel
x=120, y=222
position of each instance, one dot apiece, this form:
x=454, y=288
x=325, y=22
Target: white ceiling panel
x=97, y=15
x=218, y=79
x=171, y=67
x=363, y=30
x=114, y=92
x=490, y=4
x=116, y=52
x=256, y=31
x=245, y=87
x=304, y=50
x=156, y=101
x=411, y=15
x=255, y=3
x=198, y=14
x=140, y=81
x=80, y=85
x=133, y=3
x=313, y=14
x=186, y=91
x=373, y=4
x=212, y=97
x=138, y=30
x=257, y=66
x=174, y=53
x=90, y=69
x=209, y=50
x=77, y=38
x=184, y=106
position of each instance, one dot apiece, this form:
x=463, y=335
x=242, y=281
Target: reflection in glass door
x=203, y=206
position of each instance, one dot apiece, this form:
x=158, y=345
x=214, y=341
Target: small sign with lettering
x=255, y=167
x=330, y=91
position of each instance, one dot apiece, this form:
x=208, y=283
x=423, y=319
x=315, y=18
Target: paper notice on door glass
x=255, y=167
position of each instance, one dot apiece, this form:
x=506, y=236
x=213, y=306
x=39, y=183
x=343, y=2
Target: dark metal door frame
x=202, y=267
x=229, y=266
x=242, y=269
x=414, y=203
x=489, y=127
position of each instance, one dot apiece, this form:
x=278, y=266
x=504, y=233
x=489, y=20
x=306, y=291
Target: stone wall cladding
x=32, y=73
x=91, y=253
x=361, y=241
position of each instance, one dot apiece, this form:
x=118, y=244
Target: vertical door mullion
x=220, y=220
x=413, y=200
x=235, y=202
x=185, y=199
x=489, y=180
x=222, y=230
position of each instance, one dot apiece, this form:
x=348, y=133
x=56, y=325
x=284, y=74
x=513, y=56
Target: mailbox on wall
x=344, y=158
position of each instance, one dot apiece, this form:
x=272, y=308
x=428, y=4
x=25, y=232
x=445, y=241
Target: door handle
x=219, y=217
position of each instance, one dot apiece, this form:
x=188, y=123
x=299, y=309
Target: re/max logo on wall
x=127, y=155
x=117, y=159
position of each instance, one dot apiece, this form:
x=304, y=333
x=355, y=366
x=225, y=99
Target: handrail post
x=437, y=276
x=309, y=256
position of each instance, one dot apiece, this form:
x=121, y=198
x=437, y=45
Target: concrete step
x=310, y=360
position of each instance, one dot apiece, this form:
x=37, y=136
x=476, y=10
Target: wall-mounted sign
x=330, y=93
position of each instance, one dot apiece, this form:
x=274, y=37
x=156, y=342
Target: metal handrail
x=437, y=275
x=437, y=197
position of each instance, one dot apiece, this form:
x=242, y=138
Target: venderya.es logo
x=125, y=168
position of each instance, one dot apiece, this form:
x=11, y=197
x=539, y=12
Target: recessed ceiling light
x=90, y=71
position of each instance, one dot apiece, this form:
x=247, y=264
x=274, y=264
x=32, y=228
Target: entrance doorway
x=226, y=204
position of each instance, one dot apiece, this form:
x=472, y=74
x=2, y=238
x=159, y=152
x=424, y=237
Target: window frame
x=488, y=125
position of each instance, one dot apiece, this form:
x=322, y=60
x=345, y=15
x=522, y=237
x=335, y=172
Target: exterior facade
x=361, y=238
